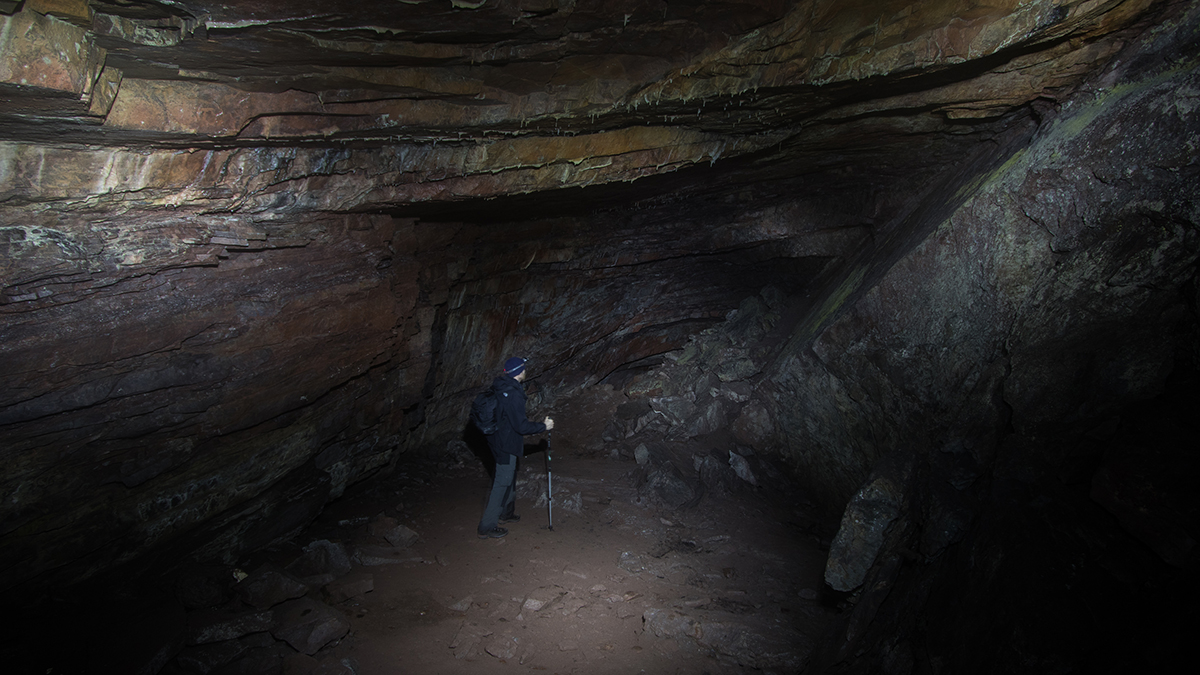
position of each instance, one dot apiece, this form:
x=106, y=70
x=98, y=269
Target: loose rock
x=349, y=586
x=742, y=468
x=389, y=530
x=503, y=647
x=214, y=625
x=308, y=625
x=322, y=562
x=542, y=597
x=267, y=586
x=664, y=485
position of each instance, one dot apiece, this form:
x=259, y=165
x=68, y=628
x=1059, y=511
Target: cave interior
x=919, y=275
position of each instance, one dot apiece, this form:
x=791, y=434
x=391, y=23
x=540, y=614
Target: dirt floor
x=620, y=585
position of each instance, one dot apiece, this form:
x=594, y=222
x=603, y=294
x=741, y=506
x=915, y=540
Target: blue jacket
x=510, y=413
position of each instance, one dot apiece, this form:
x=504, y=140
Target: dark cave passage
x=872, y=334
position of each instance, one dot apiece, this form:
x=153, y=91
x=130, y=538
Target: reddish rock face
x=250, y=255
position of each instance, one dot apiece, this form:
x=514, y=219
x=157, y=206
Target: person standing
x=508, y=446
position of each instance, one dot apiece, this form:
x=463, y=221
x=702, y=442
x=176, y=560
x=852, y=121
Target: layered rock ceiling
x=254, y=251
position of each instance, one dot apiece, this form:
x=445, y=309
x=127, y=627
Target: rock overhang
x=451, y=197
x=436, y=102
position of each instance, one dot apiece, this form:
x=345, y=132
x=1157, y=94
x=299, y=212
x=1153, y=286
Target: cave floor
x=620, y=585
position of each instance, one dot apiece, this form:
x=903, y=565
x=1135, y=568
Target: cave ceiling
x=365, y=107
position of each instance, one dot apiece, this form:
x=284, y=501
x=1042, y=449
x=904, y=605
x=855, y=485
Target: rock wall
x=140, y=403
x=981, y=389
x=994, y=394
x=209, y=382
x=251, y=256
x=1045, y=301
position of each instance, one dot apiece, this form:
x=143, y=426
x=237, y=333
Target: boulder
x=267, y=586
x=737, y=368
x=391, y=531
x=710, y=415
x=308, y=625
x=753, y=425
x=741, y=468
x=664, y=485
x=864, y=527
x=322, y=562
x=215, y=625
x=670, y=623
x=738, y=392
x=675, y=409
x=714, y=474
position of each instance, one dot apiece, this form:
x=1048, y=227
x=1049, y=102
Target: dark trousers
x=503, y=498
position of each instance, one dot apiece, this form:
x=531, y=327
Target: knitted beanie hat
x=514, y=366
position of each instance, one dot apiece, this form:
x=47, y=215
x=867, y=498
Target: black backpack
x=483, y=412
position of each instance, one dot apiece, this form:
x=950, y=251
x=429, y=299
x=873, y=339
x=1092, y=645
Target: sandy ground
x=731, y=585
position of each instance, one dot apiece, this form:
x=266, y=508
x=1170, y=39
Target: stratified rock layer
x=251, y=255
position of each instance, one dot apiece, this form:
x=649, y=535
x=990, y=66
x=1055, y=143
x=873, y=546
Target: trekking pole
x=549, y=485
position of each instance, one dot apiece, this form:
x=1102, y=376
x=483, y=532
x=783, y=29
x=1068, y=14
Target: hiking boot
x=494, y=533
x=510, y=519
